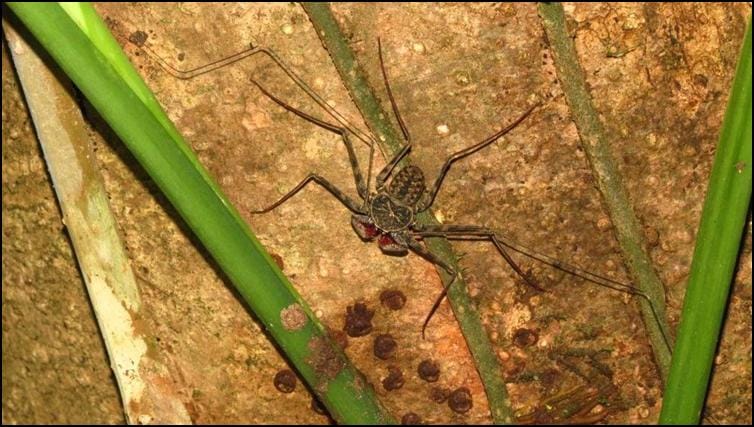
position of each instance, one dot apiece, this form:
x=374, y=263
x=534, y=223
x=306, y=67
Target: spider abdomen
x=408, y=185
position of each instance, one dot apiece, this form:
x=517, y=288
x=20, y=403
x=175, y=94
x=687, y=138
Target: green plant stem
x=597, y=148
x=717, y=245
x=376, y=117
x=176, y=170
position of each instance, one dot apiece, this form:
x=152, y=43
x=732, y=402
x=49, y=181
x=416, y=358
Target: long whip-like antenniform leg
x=393, y=104
x=361, y=186
x=466, y=152
x=472, y=232
x=385, y=172
x=246, y=53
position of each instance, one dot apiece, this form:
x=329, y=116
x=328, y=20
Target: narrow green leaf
x=717, y=245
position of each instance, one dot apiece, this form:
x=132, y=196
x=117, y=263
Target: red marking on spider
x=370, y=230
x=386, y=240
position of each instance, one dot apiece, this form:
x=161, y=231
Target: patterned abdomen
x=407, y=185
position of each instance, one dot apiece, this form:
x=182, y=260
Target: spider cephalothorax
x=393, y=208
x=389, y=214
x=392, y=211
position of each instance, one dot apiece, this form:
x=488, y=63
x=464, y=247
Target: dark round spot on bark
x=384, y=346
x=525, y=337
x=393, y=299
x=358, y=320
x=394, y=379
x=285, y=381
x=460, y=400
x=439, y=394
x=411, y=419
x=181, y=57
x=701, y=80
x=138, y=38
x=429, y=371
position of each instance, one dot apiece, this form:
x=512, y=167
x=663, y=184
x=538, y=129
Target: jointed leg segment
x=460, y=231
x=351, y=204
x=451, y=232
x=432, y=193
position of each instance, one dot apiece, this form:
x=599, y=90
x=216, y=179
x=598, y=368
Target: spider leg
x=427, y=202
x=361, y=185
x=249, y=52
x=417, y=247
x=455, y=231
x=397, y=113
x=460, y=232
x=385, y=172
x=342, y=197
x=393, y=244
x=422, y=251
x=343, y=130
